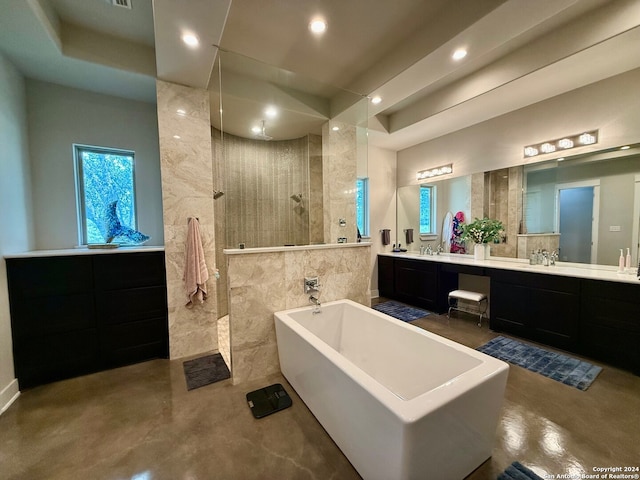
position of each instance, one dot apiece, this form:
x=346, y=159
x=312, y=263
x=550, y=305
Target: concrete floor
x=140, y=423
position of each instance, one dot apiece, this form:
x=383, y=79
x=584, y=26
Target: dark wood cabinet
x=416, y=282
x=72, y=315
x=542, y=307
x=610, y=328
x=386, y=283
x=596, y=318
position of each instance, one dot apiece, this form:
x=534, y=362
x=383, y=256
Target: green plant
x=482, y=231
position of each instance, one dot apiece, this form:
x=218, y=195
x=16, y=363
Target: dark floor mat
x=205, y=370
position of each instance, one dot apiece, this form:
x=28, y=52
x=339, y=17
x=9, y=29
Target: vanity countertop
x=67, y=252
x=577, y=270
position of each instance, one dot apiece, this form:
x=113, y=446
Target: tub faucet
x=316, y=303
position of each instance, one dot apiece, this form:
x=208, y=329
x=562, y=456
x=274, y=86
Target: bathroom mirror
x=289, y=148
x=590, y=202
x=586, y=207
x=447, y=195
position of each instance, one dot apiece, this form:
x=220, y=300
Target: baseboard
x=8, y=395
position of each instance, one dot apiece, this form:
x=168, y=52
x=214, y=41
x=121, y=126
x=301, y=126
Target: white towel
x=195, y=268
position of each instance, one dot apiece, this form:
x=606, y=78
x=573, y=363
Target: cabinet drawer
x=543, y=281
x=122, y=306
x=466, y=269
x=47, y=315
x=35, y=277
x=129, y=270
x=618, y=291
x=55, y=357
x=134, y=342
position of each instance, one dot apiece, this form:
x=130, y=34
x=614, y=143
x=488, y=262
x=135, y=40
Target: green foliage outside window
x=104, y=176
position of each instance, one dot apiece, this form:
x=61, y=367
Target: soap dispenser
x=627, y=264
x=621, y=261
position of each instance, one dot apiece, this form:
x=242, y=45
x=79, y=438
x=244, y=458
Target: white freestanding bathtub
x=400, y=402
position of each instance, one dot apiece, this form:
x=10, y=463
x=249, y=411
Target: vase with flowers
x=481, y=232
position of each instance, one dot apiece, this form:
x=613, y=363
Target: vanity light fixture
x=376, y=100
x=435, y=172
x=190, y=40
x=564, y=143
x=547, y=148
x=459, y=54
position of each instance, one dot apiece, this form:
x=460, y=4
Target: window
x=362, y=206
x=103, y=176
x=427, y=210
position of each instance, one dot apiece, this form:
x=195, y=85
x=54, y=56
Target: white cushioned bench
x=479, y=298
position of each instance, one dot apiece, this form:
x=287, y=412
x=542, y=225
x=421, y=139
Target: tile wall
x=263, y=283
x=187, y=186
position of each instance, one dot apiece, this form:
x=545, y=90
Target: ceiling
x=519, y=52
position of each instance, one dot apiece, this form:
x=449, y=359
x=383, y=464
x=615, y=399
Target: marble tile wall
x=260, y=178
x=316, y=217
x=187, y=185
x=339, y=163
x=477, y=196
x=526, y=243
x=263, y=283
x=498, y=194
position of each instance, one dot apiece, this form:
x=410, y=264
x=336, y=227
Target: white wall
x=16, y=229
x=612, y=106
x=60, y=116
x=382, y=204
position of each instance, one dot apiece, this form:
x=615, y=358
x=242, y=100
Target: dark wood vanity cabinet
x=596, y=318
x=542, y=307
x=416, y=282
x=72, y=315
x=610, y=328
x=386, y=283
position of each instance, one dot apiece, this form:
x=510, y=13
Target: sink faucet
x=439, y=249
x=428, y=250
x=553, y=258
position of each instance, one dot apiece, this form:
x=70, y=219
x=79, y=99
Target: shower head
x=217, y=194
x=296, y=197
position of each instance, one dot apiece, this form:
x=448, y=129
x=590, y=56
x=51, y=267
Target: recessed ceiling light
x=335, y=129
x=271, y=112
x=190, y=39
x=318, y=26
x=181, y=112
x=376, y=100
x=256, y=129
x=177, y=137
x=459, y=54
x=626, y=147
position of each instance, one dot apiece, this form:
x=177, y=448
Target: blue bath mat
x=517, y=471
x=401, y=311
x=562, y=368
